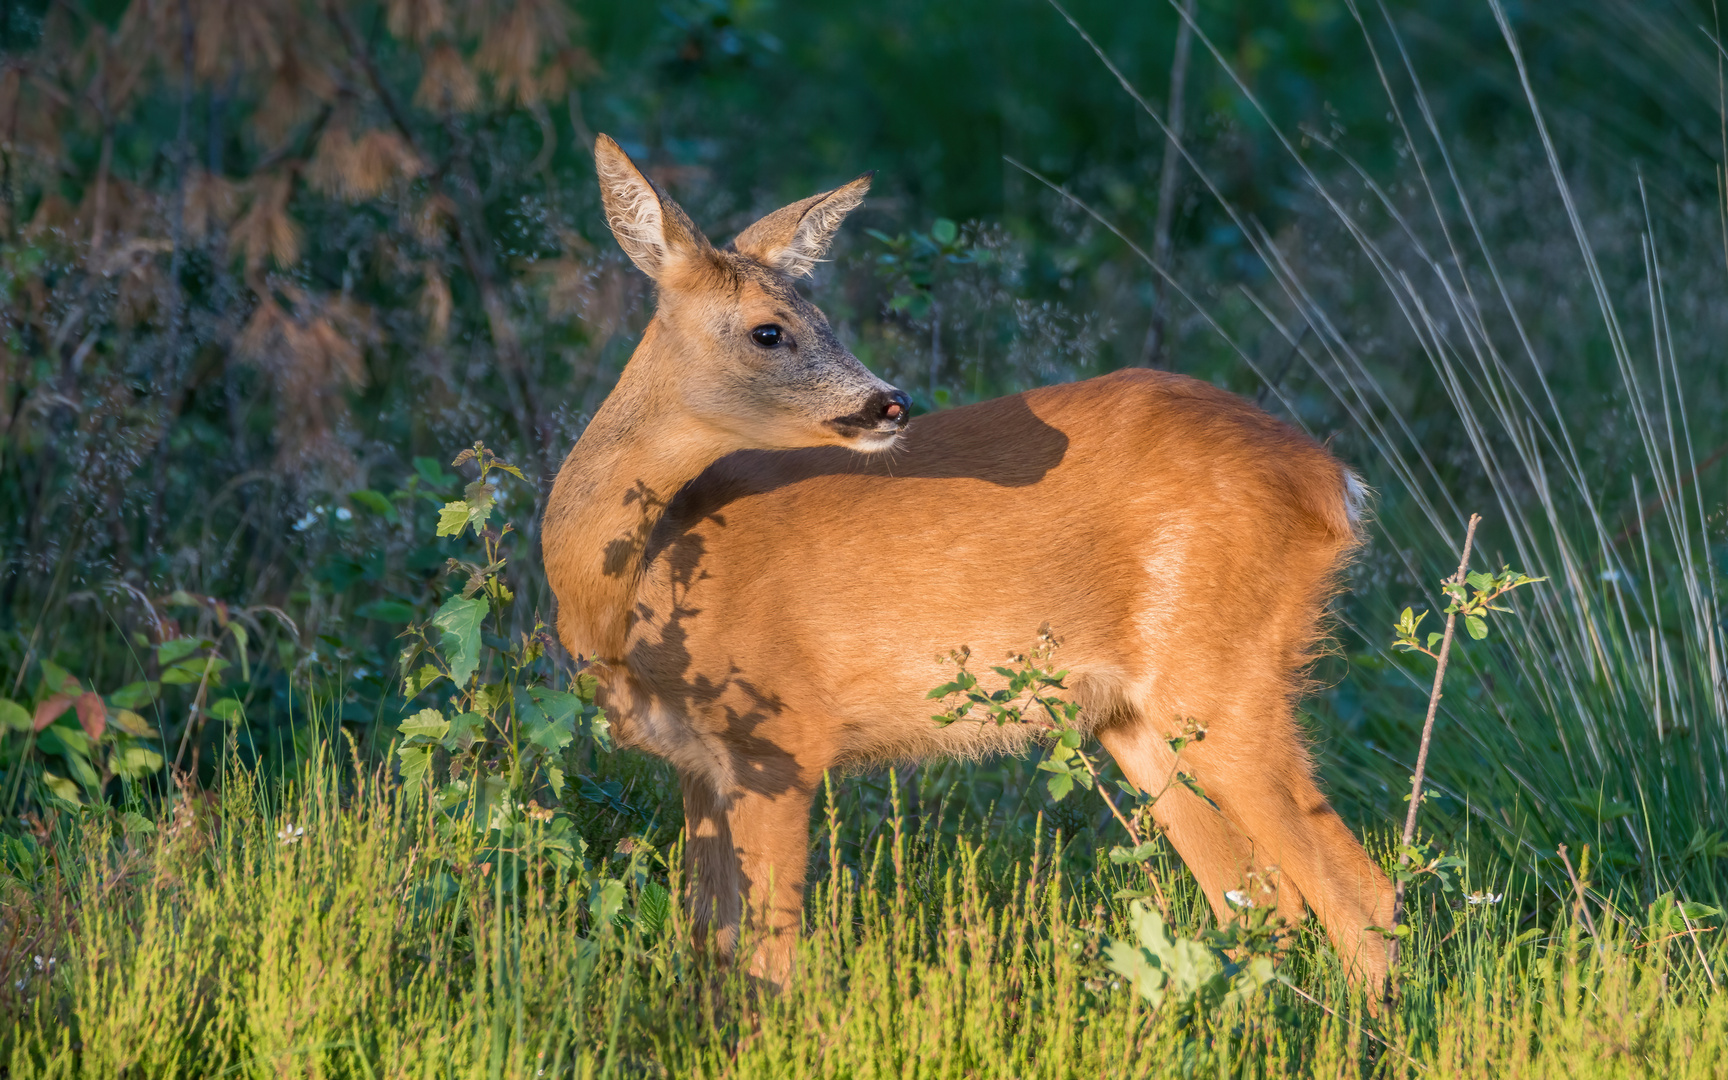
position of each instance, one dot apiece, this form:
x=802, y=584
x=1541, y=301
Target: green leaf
x=192, y=670
x=133, y=724
x=1060, y=785
x=135, y=761
x=132, y=823
x=429, y=723
x=63, y=740
x=416, y=764
x=433, y=473
x=453, y=518
x=225, y=709
x=1477, y=626
x=63, y=788
x=605, y=903
x=1070, y=738
x=1124, y=854
x=464, y=729
x=1159, y=964
x=1695, y=911
x=59, y=680
x=170, y=651
x=459, y=619
x=586, y=687
x=13, y=716
x=653, y=908
x=238, y=632
x=944, y=231
x=392, y=611
x=375, y=502
x=420, y=680
x=1480, y=580
x=134, y=695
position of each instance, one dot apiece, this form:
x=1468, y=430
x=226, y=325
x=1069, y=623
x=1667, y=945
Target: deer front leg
x=771, y=835
x=745, y=857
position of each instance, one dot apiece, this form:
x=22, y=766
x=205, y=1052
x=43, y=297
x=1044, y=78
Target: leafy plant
x=72, y=742
x=500, y=730
x=1161, y=965
x=1472, y=595
x=1033, y=697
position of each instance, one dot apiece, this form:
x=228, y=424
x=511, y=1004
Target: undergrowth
x=328, y=926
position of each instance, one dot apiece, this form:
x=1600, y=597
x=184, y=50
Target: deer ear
x=652, y=229
x=794, y=238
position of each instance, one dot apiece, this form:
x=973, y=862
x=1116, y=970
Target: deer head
x=739, y=350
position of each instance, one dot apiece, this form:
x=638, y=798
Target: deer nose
x=897, y=407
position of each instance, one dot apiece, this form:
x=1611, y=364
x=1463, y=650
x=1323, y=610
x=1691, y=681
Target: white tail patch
x=1356, y=496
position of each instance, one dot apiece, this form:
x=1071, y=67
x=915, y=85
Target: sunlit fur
x=763, y=602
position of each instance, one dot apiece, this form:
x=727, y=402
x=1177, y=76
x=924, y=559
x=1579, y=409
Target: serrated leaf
x=1060, y=785
x=464, y=730
x=132, y=823
x=416, y=764
x=429, y=723
x=1477, y=625
x=1695, y=911
x=1480, y=580
x=1070, y=738
x=459, y=621
x=453, y=518
x=420, y=680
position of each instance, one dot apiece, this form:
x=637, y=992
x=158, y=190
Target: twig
x=1422, y=753
x=1692, y=932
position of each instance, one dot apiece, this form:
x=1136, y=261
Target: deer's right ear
x=652, y=229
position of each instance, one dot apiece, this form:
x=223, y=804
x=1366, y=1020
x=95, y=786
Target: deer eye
x=766, y=336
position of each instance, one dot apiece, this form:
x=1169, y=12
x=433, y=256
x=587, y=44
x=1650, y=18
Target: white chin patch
x=875, y=441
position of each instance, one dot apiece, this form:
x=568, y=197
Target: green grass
x=379, y=943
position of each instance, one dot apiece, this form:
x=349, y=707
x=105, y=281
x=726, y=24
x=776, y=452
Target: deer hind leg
x=1253, y=767
x=746, y=853
x=1220, y=856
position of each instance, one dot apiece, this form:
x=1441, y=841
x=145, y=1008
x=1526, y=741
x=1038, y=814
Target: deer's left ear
x=794, y=238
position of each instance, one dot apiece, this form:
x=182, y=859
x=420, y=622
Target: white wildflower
x=1477, y=898
x=291, y=833
x=1239, y=898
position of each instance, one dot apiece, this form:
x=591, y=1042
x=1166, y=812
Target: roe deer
x=766, y=593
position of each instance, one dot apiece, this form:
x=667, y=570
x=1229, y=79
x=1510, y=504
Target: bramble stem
x=1422, y=753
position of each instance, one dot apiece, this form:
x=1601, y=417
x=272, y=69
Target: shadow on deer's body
x=765, y=602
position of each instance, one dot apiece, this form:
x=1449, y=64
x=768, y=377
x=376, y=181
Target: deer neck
x=640, y=448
